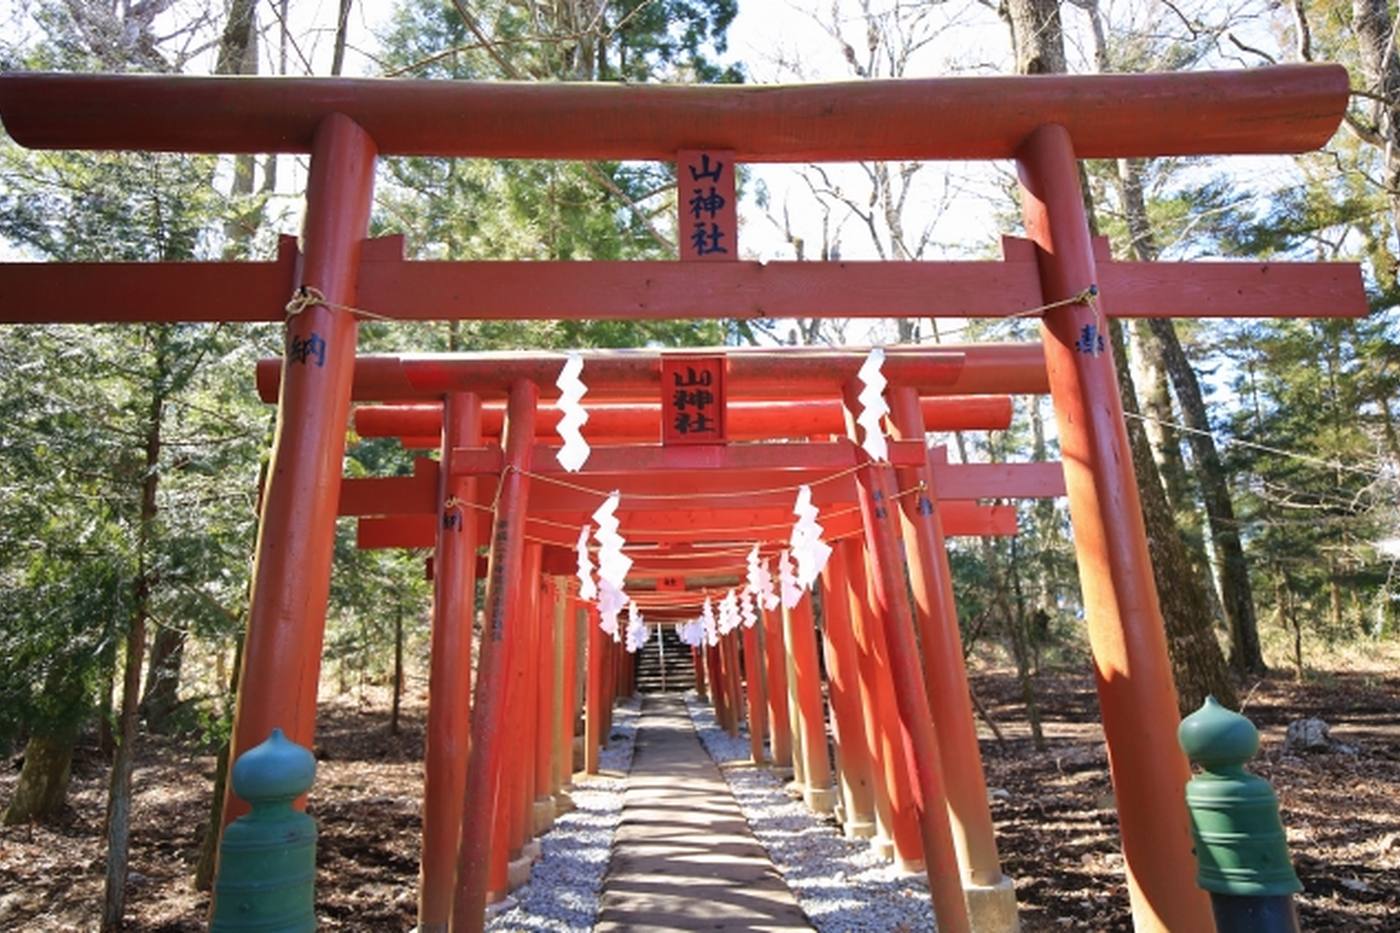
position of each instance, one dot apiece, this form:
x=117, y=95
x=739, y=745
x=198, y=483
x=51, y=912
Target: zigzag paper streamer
x=708, y=624
x=808, y=548
x=587, y=589
x=636, y=629
x=574, y=454
x=612, y=563
x=761, y=581
x=872, y=405
x=611, y=602
x=746, y=610
x=787, y=581
x=728, y=613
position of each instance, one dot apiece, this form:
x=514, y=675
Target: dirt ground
x=1057, y=829
x=1053, y=809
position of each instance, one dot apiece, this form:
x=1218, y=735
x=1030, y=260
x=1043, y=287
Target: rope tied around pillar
x=309, y=296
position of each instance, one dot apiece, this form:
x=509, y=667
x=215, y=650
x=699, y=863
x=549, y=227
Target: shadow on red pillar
x=1126, y=634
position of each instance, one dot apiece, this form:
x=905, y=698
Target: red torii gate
x=1044, y=123
x=723, y=471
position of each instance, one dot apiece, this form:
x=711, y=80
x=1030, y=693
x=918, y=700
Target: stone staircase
x=675, y=674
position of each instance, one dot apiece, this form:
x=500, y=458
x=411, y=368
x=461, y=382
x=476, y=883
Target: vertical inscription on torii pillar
x=708, y=227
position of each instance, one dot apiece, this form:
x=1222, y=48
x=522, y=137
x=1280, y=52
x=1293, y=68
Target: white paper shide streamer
x=587, y=589
x=574, y=454
x=728, y=613
x=612, y=565
x=746, y=609
x=708, y=624
x=637, y=631
x=808, y=548
x=872, y=405
x=787, y=581
x=761, y=581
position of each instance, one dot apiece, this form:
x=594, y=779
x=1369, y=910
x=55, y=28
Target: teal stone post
x=267, y=858
x=1241, y=852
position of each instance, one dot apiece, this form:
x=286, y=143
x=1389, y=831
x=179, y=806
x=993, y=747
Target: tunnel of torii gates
x=881, y=683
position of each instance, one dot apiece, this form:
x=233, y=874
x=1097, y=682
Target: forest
x=131, y=457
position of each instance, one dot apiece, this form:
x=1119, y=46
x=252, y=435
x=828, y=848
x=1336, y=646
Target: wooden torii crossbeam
x=1044, y=123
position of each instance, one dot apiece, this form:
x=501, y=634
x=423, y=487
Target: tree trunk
x=163, y=679
x=398, y=668
x=42, y=790
x=1020, y=641
x=1236, y=593
x=1037, y=37
x=1381, y=66
x=238, y=55
x=119, y=791
x=1198, y=667
x=209, y=848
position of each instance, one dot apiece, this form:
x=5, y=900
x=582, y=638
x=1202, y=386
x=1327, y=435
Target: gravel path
x=562, y=893
x=840, y=883
x=684, y=857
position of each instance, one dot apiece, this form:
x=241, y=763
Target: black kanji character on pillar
x=694, y=377
x=699, y=398
x=707, y=241
x=706, y=171
x=1090, y=340
x=309, y=347
x=702, y=203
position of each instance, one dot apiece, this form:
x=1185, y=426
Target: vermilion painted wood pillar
x=945, y=676
x=753, y=682
x=893, y=798
x=503, y=586
x=610, y=675
x=843, y=687
x=596, y=693
x=775, y=655
x=546, y=714
x=566, y=629
x=697, y=662
x=718, y=694
x=296, y=533
x=1126, y=634
x=729, y=658
x=798, y=733
x=450, y=668
x=800, y=633
x=522, y=719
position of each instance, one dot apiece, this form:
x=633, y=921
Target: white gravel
x=562, y=893
x=840, y=883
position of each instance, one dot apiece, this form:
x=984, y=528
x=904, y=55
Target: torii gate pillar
x=296, y=536
x=1126, y=633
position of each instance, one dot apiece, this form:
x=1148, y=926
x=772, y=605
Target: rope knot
x=306, y=296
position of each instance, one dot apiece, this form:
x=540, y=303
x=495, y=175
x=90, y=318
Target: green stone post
x=1241, y=852
x=267, y=858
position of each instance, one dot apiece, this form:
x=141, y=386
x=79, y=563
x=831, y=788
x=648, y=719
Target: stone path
x=683, y=857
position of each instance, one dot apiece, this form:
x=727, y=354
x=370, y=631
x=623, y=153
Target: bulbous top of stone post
x=1217, y=738
x=278, y=770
